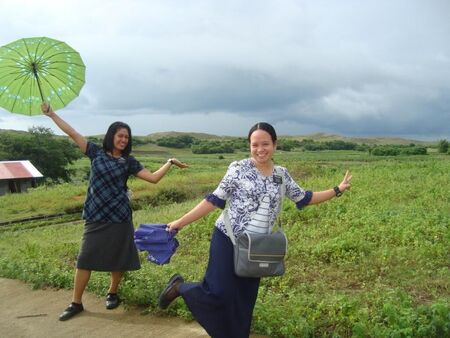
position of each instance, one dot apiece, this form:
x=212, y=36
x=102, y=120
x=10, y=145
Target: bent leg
x=223, y=302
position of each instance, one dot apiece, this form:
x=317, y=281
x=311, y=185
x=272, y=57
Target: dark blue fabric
x=223, y=302
x=218, y=202
x=305, y=201
x=107, y=199
x=157, y=241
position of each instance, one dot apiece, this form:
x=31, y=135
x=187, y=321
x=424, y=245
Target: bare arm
x=322, y=196
x=65, y=127
x=155, y=177
x=200, y=210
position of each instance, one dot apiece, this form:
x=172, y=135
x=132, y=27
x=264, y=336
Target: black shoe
x=112, y=301
x=171, y=291
x=72, y=310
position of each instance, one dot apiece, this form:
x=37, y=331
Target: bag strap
x=226, y=220
x=226, y=217
x=283, y=183
x=283, y=192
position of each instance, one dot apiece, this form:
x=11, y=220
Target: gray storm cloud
x=348, y=67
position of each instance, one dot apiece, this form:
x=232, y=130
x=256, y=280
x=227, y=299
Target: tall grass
x=373, y=263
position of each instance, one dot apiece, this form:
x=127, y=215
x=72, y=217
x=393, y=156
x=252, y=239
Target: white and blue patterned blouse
x=244, y=187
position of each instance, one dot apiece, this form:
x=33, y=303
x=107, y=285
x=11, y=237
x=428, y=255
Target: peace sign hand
x=346, y=182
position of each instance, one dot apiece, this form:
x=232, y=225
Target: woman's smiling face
x=121, y=139
x=261, y=147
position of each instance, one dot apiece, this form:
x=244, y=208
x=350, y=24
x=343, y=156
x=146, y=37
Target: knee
x=224, y=295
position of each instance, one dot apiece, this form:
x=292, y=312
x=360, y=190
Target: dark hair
x=266, y=127
x=108, y=140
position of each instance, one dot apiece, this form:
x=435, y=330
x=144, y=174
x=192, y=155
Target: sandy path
x=34, y=313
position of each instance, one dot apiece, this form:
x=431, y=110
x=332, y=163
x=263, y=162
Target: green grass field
x=373, y=263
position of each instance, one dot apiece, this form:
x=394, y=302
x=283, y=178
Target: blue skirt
x=223, y=302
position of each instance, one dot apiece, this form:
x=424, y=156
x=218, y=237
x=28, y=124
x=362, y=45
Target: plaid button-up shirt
x=107, y=199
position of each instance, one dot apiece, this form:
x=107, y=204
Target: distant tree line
x=311, y=145
x=212, y=147
x=181, y=141
x=48, y=153
x=241, y=144
x=51, y=154
x=395, y=150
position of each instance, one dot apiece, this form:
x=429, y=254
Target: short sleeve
x=228, y=183
x=213, y=199
x=92, y=150
x=296, y=193
x=134, y=166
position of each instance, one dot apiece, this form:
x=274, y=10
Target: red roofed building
x=17, y=176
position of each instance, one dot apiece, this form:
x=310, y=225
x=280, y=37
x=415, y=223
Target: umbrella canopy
x=34, y=70
x=157, y=241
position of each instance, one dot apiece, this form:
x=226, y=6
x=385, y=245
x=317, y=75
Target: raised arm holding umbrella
x=40, y=75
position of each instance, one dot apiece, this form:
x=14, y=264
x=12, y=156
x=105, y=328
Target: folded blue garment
x=157, y=241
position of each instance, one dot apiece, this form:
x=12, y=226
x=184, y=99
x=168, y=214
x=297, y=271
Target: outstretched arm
x=154, y=177
x=200, y=210
x=322, y=196
x=65, y=127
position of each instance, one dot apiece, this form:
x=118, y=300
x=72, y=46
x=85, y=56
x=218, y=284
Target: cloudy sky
x=350, y=67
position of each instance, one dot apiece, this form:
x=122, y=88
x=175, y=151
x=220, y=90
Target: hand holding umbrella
x=46, y=109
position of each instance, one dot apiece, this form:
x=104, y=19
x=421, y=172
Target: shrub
x=414, y=151
x=385, y=151
x=212, y=147
x=443, y=146
x=182, y=141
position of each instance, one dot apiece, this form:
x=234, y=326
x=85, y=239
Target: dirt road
x=34, y=313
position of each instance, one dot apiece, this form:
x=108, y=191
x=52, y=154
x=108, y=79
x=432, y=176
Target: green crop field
x=373, y=263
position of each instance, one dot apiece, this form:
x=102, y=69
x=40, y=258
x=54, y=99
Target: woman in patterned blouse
x=108, y=242
x=223, y=302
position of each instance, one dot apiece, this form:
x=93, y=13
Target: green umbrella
x=34, y=70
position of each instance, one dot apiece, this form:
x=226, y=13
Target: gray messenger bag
x=258, y=255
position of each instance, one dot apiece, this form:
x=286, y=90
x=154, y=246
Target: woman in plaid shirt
x=108, y=242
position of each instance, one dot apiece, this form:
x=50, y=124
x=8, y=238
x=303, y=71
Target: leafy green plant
x=373, y=263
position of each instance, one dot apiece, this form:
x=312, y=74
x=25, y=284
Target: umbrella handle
x=38, y=80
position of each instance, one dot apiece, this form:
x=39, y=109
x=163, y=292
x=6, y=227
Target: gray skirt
x=108, y=247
